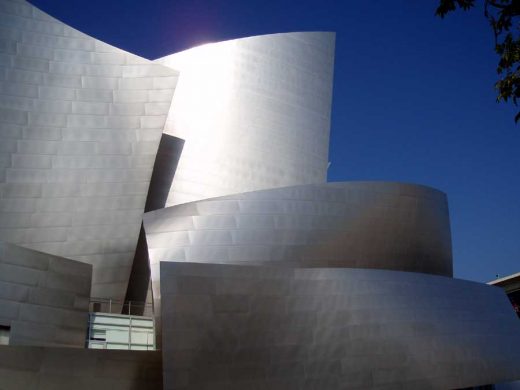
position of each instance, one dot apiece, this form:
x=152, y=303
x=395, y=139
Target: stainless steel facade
x=44, y=299
x=244, y=327
x=45, y=368
x=352, y=224
x=80, y=123
x=285, y=316
x=254, y=112
x=266, y=276
x=359, y=224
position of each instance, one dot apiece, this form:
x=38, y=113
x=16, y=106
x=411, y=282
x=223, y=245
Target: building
x=511, y=285
x=186, y=198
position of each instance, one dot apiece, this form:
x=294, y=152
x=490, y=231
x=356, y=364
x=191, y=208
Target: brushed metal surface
x=254, y=112
x=354, y=224
x=45, y=368
x=266, y=276
x=256, y=327
x=80, y=123
x=44, y=299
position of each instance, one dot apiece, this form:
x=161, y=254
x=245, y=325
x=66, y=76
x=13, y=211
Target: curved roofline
x=327, y=184
x=159, y=59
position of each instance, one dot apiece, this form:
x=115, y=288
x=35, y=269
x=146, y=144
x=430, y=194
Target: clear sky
x=413, y=97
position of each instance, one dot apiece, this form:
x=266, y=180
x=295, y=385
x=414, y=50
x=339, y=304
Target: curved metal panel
x=44, y=299
x=80, y=123
x=29, y=368
x=354, y=224
x=227, y=326
x=255, y=114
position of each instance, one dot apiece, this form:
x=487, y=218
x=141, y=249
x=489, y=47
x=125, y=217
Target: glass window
x=4, y=334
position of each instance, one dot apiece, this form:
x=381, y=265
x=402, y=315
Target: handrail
x=105, y=305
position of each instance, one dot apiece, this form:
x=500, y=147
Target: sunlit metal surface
x=354, y=224
x=267, y=277
x=241, y=327
x=80, y=122
x=254, y=112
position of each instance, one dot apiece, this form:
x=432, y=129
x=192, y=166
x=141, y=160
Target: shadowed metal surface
x=354, y=224
x=168, y=154
x=254, y=112
x=164, y=168
x=80, y=123
x=40, y=368
x=246, y=327
x=44, y=299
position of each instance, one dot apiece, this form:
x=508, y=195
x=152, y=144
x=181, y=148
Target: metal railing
x=103, y=305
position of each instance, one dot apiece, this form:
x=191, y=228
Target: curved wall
x=44, y=299
x=80, y=123
x=228, y=326
x=254, y=112
x=44, y=368
x=166, y=160
x=355, y=224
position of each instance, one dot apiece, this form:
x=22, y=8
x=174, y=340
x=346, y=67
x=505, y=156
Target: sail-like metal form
x=263, y=275
x=254, y=114
x=330, y=286
x=354, y=224
x=80, y=123
x=243, y=327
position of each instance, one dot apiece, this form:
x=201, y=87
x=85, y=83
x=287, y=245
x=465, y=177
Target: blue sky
x=413, y=97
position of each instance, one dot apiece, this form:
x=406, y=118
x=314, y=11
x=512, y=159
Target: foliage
x=502, y=15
